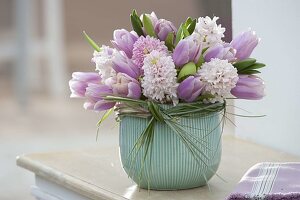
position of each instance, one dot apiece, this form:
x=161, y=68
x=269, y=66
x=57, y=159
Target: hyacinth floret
x=159, y=82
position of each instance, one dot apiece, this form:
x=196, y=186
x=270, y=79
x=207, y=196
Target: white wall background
x=277, y=23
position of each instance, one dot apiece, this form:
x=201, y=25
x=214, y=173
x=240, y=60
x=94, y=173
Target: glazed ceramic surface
x=169, y=165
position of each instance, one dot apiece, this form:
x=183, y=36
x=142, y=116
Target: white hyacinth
x=103, y=61
x=219, y=77
x=211, y=33
x=160, y=82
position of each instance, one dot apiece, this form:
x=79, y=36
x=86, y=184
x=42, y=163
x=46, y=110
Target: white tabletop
x=98, y=174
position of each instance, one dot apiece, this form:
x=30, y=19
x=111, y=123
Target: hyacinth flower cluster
x=161, y=63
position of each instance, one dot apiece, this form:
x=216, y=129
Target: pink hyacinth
x=145, y=45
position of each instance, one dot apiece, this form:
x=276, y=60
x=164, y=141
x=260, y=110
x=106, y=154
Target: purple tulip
x=95, y=94
x=80, y=81
x=249, y=87
x=124, y=40
x=187, y=50
x=221, y=51
x=244, y=43
x=98, y=106
x=122, y=64
x=163, y=28
x=126, y=86
x=189, y=89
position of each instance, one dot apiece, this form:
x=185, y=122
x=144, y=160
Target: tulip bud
x=95, y=94
x=98, y=106
x=80, y=81
x=189, y=89
x=244, y=43
x=126, y=86
x=122, y=64
x=221, y=51
x=124, y=40
x=249, y=87
x=163, y=28
x=152, y=17
x=187, y=50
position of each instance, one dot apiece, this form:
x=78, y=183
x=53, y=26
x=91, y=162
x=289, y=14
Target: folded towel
x=269, y=181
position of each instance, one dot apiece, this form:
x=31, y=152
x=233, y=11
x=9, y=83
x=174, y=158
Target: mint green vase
x=169, y=165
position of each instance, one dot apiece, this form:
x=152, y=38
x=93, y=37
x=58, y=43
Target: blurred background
x=41, y=44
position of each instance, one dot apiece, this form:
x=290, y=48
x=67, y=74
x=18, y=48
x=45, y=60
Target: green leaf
x=155, y=111
x=205, y=96
x=188, y=21
x=178, y=34
x=169, y=41
x=124, y=99
x=187, y=70
x=251, y=71
x=248, y=66
x=91, y=42
x=134, y=12
x=148, y=26
x=135, y=15
x=203, y=50
x=244, y=63
x=189, y=143
x=256, y=66
x=200, y=61
x=191, y=26
x=136, y=23
x=139, y=108
x=140, y=143
x=104, y=117
x=195, y=144
x=147, y=145
x=106, y=114
x=185, y=31
x=201, y=108
x=254, y=116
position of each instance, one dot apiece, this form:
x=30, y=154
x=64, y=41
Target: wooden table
x=97, y=174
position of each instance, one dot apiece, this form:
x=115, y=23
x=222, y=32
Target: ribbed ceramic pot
x=172, y=166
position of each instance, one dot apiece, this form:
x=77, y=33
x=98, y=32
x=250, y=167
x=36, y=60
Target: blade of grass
x=104, y=116
x=91, y=42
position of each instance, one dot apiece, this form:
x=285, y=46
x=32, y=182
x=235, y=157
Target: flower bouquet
x=168, y=88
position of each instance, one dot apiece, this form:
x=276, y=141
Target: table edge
x=86, y=189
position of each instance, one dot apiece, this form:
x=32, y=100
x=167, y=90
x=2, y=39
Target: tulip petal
x=90, y=77
x=96, y=92
x=134, y=90
x=103, y=105
x=122, y=64
x=244, y=43
x=189, y=89
x=124, y=40
x=77, y=88
x=181, y=53
x=249, y=87
x=89, y=105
